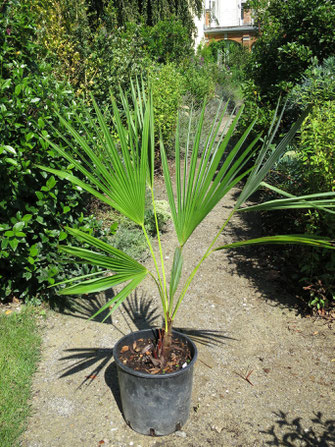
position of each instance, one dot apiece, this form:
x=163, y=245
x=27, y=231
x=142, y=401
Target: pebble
x=181, y=434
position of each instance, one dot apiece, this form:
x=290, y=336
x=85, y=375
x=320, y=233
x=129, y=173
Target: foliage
x=200, y=79
x=292, y=33
x=309, y=166
x=19, y=353
x=153, y=11
x=88, y=48
x=120, y=174
x=129, y=237
x=316, y=147
x=317, y=173
x=317, y=85
x=114, y=59
x=255, y=107
x=168, y=41
x=34, y=208
x=167, y=90
x=233, y=57
x=63, y=30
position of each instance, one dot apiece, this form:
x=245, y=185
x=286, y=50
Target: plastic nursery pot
x=158, y=404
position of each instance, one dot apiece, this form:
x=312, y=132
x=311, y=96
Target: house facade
x=226, y=20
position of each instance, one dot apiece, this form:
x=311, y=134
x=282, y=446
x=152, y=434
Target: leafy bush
x=292, y=33
x=309, y=167
x=317, y=147
x=168, y=41
x=317, y=86
x=167, y=90
x=200, y=79
x=234, y=58
x=34, y=207
x=115, y=58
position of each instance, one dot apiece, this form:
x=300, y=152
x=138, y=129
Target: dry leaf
x=124, y=349
x=8, y=312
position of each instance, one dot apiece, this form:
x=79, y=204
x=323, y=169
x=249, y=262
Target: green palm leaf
x=268, y=157
x=207, y=179
x=295, y=239
x=322, y=201
x=117, y=172
x=126, y=269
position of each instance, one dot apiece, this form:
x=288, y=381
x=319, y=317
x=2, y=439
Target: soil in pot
x=142, y=355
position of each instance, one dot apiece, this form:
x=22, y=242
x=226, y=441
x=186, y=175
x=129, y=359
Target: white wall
x=228, y=12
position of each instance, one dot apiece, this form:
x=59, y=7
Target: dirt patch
x=264, y=375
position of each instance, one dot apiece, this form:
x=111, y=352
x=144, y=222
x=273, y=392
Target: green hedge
x=34, y=207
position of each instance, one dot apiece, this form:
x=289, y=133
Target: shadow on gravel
x=321, y=433
x=264, y=265
x=144, y=315
x=98, y=358
x=86, y=306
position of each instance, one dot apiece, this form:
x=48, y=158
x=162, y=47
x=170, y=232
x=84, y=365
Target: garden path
x=253, y=331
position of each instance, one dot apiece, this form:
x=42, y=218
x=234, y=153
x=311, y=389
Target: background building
x=226, y=20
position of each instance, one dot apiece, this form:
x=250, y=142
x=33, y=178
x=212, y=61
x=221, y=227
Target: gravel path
x=252, y=332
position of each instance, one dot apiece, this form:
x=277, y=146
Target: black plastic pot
x=158, y=404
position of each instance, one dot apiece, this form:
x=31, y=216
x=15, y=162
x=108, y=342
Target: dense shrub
x=317, y=85
x=292, y=33
x=233, y=57
x=316, y=147
x=34, y=207
x=167, y=91
x=168, y=41
x=200, y=79
x=309, y=168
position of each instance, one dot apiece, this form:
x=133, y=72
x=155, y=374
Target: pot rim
x=147, y=375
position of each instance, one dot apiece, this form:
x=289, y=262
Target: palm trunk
x=167, y=340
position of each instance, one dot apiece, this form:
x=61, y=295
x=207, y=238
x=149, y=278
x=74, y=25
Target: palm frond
x=209, y=177
x=116, y=171
x=295, y=239
x=261, y=167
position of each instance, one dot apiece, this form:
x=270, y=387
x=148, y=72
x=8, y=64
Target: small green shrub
x=167, y=91
x=200, y=79
x=316, y=87
x=317, y=147
x=163, y=216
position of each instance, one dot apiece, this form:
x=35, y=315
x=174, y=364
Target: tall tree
x=152, y=11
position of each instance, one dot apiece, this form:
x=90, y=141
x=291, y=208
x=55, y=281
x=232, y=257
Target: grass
x=19, y=352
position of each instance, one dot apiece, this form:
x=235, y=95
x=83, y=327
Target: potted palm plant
x=155, y=367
